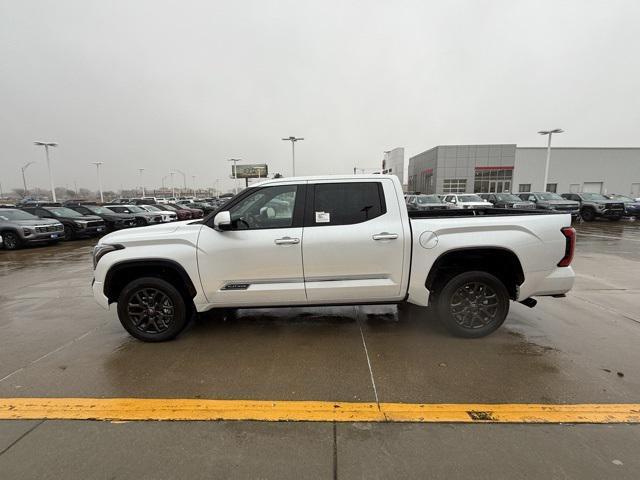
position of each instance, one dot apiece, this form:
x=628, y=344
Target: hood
x=560, y=202
x=148, y=233
x=118, y=216
x=87, y=218
x=36, y=222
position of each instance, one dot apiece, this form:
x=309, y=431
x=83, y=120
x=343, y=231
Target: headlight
x=26, y=232
x=80, y=223
x=102, y=249
x=600, y=206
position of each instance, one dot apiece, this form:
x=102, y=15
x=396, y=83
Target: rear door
x=354, y=242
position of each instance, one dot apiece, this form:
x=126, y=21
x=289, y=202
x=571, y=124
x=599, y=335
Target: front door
x=354, y=244
x=258, y=261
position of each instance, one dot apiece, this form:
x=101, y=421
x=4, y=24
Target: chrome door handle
x=385, y=236
x=286, y=241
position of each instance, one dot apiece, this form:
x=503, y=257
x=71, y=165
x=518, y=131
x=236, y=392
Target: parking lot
x=55, y=342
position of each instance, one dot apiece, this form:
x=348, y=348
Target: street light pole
x=141, y=184
x=235, y=173
x=184, y=180
x=46, y=146
x=97, y=164
x=173, y=188
x=546, y=165
x=193, y=177
x=293, y=141
x=24, y=180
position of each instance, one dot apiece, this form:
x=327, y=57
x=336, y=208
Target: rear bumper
x=554, y=282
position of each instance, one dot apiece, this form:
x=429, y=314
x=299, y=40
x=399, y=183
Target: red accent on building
x=505, y=167
x=428, y=171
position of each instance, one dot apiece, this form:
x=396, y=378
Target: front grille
x=615, y=206
x=523, y=205
x=566, y=208
x=95, y=223
x=49, y=228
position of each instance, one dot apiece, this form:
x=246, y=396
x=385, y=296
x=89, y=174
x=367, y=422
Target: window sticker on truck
x=323, y=217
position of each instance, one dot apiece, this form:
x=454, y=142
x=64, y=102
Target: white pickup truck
x=342, y=240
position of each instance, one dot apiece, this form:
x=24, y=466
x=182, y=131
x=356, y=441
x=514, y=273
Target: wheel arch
x=121, y=273
x=499, y=261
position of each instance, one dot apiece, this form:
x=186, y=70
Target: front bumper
x=98, y=294
x=43, y=237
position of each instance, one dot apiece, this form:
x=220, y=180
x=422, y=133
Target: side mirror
x=222, y=220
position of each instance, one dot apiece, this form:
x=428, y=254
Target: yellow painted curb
x=309, y=411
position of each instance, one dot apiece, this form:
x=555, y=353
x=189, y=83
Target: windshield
x=125, y=209
x=170, y=208
x=424, y=199
x=593, y=196
x=97, y=210
x=550, y=196
x=469, y=198
x=622, y=198
x=10, y=214
x=507, y=197
x=64, y=212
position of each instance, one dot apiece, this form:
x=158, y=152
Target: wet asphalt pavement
x=56, y=342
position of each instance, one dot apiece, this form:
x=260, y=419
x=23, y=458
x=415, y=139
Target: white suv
x=466, y=200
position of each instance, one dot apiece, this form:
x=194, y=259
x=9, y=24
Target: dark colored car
x=113, y=220
x=506, y=200
x=631, y=205
x=552, y=201
x=75, y=224
x=183, y=213
x=424, y=202
x=19, y=228
x=594, y=205
x=195, y=212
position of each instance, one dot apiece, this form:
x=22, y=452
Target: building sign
x=257, y=170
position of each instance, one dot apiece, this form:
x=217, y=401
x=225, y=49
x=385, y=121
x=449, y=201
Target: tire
x=69, y=233
x=587, y=214
x=468, y=291
x=11, y=240
x=151, y=328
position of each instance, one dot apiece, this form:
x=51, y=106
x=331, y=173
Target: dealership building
x=509, y=168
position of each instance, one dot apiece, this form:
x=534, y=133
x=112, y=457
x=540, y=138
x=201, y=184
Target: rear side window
x=346, y=203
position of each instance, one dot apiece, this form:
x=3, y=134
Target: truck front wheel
x=472, y=304
x=152, y=310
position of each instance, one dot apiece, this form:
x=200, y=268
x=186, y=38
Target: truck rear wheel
x=152, y=310
x=472, y=304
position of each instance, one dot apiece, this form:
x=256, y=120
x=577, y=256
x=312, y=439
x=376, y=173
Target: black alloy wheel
x=11, y=240
x=69, y=232
x=473, y=304
x=152, y=310
x=587, y=214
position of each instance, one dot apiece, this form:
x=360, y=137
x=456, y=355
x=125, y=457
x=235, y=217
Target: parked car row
x=588, y=206
x=38, y=222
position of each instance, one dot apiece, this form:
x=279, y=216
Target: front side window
x=269, y=207
x=347, y=203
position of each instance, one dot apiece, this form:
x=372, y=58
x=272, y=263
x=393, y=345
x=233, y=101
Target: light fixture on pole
x=293, y=141
x=46, y=146
x=235, y=173
x=97, y=164
x=141, y=184
x=24, y=180
x=546, y=165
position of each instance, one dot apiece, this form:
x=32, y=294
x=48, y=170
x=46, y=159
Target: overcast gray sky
x=187, y=84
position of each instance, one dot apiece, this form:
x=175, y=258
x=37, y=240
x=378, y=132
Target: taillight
x=570, y=237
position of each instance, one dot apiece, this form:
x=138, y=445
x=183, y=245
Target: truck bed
x=480, y=212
